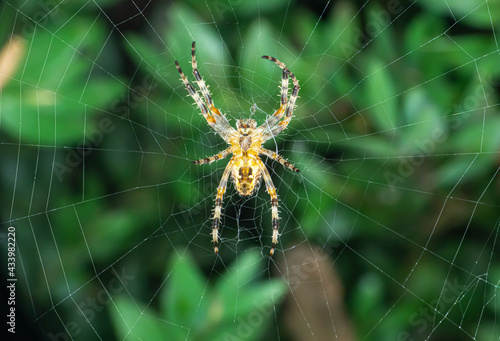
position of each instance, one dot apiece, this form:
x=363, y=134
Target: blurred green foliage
x=59, y=87
x=396, y=135
x=194, y=311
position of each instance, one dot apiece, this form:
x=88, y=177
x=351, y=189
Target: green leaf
x=228, y=290
x=134, y=322
x=379, y=31
x=424, y=129
x=6, y=24
x=418, y=34
x=368, y=295
x=256, y=309
x=182, y=299
x=477, y=137
x=152, y=61
x=112, y=230
x=261, y=296
x=237, y=297
x=342, y=29
x=380, y=97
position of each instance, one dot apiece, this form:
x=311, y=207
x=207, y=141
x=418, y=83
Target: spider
x=245, y=143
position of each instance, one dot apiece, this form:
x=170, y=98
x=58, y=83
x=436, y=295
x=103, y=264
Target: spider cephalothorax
x=245, y=143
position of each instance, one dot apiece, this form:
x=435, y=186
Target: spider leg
x=218, y=205
x=221, y=119
x=274, y=204
x=279, y=127
x=279, y=158
x=216, y=157
x=278, y=114
x=192, y=92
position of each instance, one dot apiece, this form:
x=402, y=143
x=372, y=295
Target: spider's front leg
x=278, y=115
x=290, y=104
x=194, y=95
x=222, y=127
x=218, y=205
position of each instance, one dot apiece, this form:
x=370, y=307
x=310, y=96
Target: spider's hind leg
x=274, y=205
x=218, y=205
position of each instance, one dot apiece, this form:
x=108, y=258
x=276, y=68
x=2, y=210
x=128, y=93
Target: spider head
x=246, y=126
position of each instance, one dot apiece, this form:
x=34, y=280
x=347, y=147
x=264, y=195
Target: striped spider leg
x=274, y=125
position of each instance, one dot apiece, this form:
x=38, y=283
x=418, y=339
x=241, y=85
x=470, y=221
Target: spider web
x=390, y=230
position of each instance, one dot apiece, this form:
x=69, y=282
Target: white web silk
x=351, y=138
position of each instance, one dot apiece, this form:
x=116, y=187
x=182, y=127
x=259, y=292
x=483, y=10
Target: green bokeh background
x=396, y=134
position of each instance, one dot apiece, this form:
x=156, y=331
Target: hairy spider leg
x=216, y=157
x=221, y=119
x=274, y=204
x=199, y=102
x=279, y=158
x=218, y=204
x=278, y=128
x=278, y=115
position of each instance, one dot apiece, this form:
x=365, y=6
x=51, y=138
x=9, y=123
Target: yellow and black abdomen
x=246, y=176
x=246, y=181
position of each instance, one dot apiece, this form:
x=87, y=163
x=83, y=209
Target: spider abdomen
x=247, y=179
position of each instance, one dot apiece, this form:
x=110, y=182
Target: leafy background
x=396, y=134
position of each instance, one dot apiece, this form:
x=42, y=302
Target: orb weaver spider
x=245, y=143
